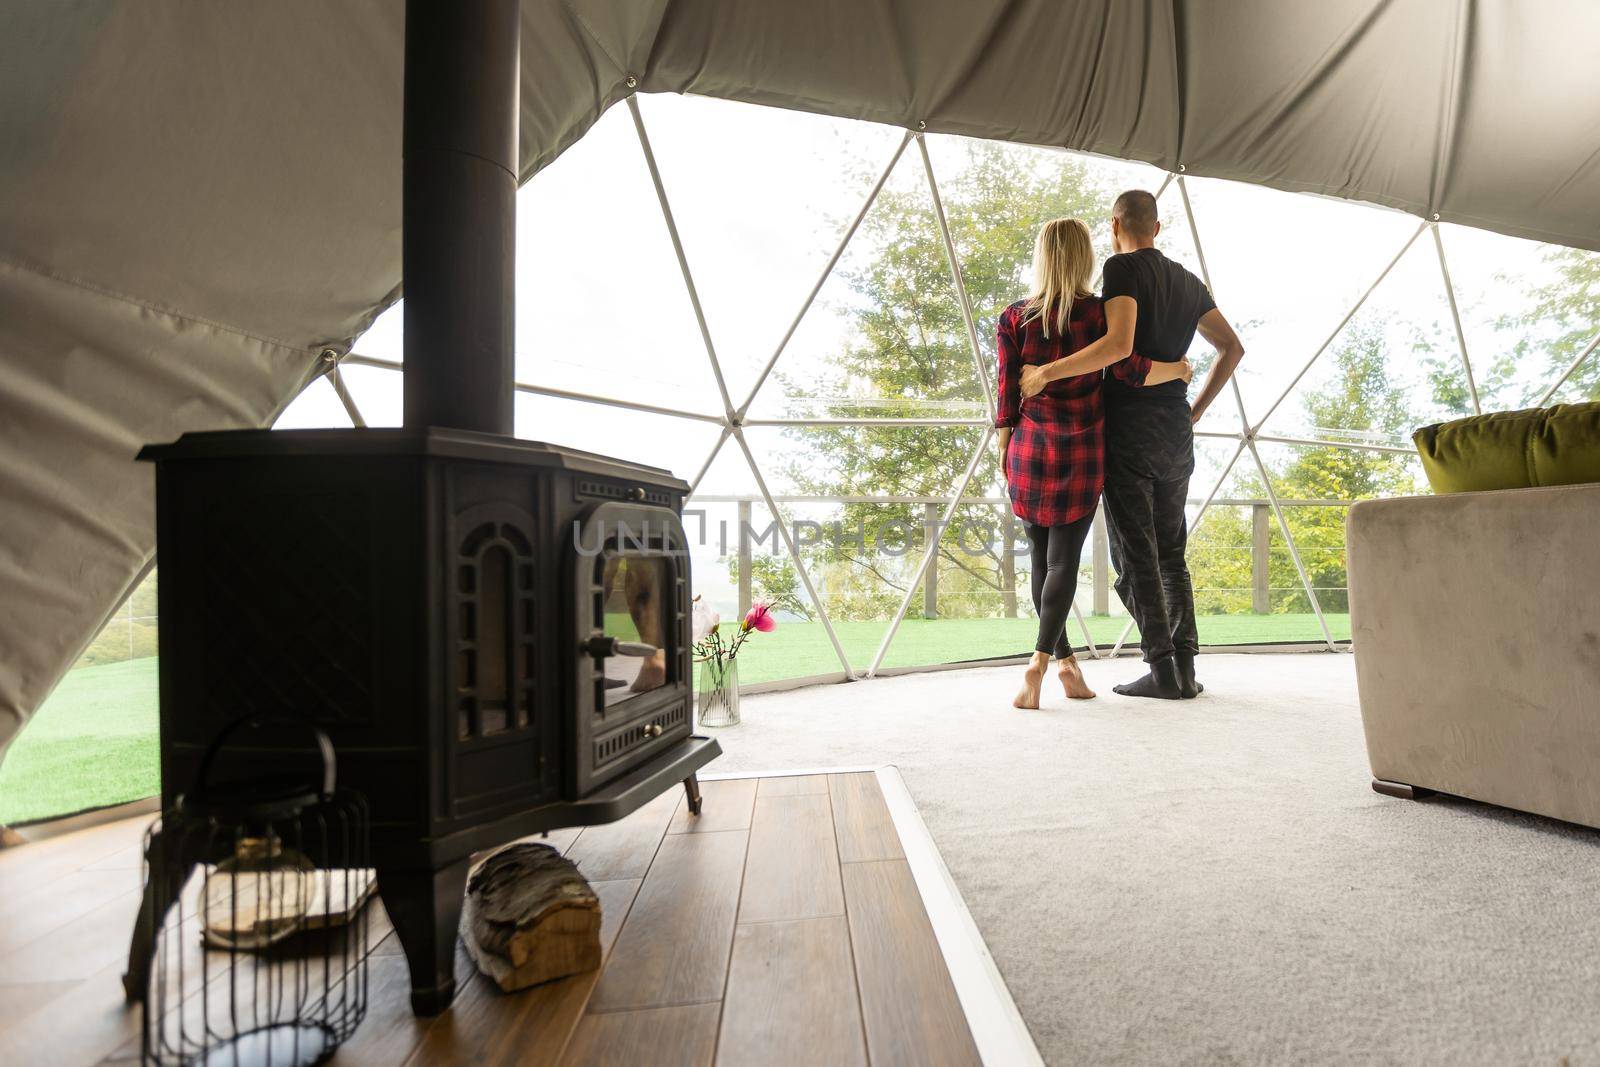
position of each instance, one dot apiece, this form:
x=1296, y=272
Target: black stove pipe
x=460, y=212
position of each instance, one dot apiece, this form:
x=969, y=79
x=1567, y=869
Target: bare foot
x=1071, y=676
x=652, y=674
x=1032, y=681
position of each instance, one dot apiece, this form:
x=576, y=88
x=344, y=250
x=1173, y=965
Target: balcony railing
x=1261, y=527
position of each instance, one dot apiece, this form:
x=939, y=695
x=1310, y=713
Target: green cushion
x=1513, y=449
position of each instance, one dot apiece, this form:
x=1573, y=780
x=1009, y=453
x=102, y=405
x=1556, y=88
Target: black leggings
x=1056, y=552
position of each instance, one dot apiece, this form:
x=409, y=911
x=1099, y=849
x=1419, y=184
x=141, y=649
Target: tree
x=909, y=347
x=1556, y=321
x=1565, y=317
x=1218, y=554
x=1447, y=380
x=1359, y=401
x=773, y=579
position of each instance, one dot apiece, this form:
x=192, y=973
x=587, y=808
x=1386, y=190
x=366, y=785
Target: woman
x=1051, y=445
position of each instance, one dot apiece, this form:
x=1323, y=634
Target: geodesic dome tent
x=201, y=205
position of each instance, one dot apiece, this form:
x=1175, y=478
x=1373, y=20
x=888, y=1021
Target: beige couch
x=1476, y=620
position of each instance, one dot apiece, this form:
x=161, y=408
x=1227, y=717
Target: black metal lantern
x=251, y=946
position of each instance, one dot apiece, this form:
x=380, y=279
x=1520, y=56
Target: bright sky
x=761, y=196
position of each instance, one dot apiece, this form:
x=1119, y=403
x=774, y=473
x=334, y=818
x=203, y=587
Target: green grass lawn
x=92, y=744
x=798, y=650
x=94, y=741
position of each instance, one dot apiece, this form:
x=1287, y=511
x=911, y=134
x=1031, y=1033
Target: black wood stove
x=494, y=632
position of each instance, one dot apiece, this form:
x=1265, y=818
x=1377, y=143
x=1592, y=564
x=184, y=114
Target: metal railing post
x=794, y=556
x=1260, y=559
x=1100, y=563
x=1008, y=562
x=930, y=577
x=931, y=551
x=744, y=557
x=1288, y=541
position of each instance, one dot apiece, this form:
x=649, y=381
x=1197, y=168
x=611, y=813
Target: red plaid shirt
x=1055, y=465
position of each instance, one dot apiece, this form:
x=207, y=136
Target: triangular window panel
x=379, y=393
x=862, y=502
x=601, y=304
x=998, y=196
x=761, y=196
x=385, y=338
x=733, y=536
x=602, y=308
x=316, y=408
x=679, y=445
x=1220, y=535
x=886, y=337
x=1392, y=368
x=1285, y=269
x=1528, y=310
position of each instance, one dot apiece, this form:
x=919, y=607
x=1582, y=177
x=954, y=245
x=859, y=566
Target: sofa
x=1476, y=624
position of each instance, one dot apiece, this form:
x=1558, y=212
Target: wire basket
x=252, y=943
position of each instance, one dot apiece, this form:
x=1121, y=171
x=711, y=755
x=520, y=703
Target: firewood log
x=530, y=917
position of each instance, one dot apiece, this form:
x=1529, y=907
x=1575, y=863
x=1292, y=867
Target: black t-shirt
x=1171, y=302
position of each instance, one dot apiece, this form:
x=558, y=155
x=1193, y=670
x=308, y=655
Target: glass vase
x=718, y=696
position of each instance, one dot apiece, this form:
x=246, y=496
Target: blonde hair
x=1063, y=262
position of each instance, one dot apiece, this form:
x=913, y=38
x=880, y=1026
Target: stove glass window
x=635, y=602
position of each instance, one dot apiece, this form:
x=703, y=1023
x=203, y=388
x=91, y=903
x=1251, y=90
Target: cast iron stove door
x=499, y=734
x=633, y=678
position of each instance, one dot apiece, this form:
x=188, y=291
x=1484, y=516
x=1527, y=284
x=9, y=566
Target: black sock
x=1161, y=683
x=1187, y=683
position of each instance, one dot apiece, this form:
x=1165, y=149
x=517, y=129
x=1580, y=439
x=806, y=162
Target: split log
x=530, y=917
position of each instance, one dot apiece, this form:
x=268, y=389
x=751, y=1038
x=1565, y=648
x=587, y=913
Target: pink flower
x=759, y=617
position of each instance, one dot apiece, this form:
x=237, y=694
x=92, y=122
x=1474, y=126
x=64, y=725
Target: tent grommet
x=330, y=355
x=631, y=82
x=921, y=125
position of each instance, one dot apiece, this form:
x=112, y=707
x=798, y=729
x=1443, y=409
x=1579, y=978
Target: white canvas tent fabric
x=196, y=199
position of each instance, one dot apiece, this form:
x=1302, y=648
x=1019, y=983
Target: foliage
x=774, y=580
x=1564, y=318
x=910, y=346
x=1219, y=560
x=909, y=349
x=1359, y=399
x=1558, y=319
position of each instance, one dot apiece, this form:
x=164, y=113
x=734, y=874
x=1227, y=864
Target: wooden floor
x=782, y=926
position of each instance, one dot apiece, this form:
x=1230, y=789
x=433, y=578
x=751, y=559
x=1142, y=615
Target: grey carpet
x=1213, y=881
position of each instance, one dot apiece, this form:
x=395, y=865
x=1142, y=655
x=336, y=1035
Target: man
x=1153, y=306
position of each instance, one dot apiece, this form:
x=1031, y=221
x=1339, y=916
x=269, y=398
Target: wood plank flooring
x=783, y=926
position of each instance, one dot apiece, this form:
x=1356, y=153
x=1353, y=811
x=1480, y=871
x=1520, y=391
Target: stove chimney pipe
x=459, y=212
